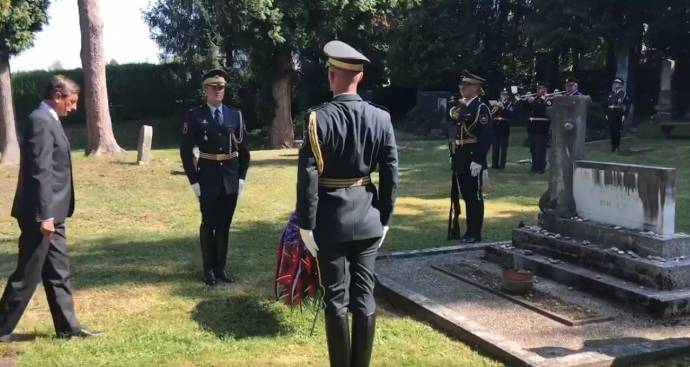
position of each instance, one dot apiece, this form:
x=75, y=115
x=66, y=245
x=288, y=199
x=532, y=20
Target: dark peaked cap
x=469, y=78
x=215, y=77
x=343, y=56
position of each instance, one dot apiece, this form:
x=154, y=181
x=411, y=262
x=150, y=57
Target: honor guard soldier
x=217, y=178
x=472, y=119
x=617, y=108
x=538, y=128
x=502, y=114
x=572, y=86
x=342, y=214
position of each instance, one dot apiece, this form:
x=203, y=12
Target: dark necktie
x=216, y=116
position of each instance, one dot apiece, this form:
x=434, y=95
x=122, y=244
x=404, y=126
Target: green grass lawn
x=136, y=263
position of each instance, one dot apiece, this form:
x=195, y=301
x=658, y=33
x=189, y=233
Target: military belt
x=218, y=157
x=534, y=119
x=614, y=107
x=343, y=183
x=500, y=119
x=465, y=141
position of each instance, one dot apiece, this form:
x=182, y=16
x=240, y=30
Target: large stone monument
x=605, y=228
x=664, y=106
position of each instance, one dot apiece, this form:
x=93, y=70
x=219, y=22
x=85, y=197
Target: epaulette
x=317, y=107
x=378, y=106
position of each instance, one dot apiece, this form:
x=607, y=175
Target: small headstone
x=144, y=146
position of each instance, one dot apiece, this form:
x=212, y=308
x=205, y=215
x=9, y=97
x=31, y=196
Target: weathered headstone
x=627, y=195
x=664, y=107
x=568, y=125
x=431, y=108
x=144, y=146
x=606, y=228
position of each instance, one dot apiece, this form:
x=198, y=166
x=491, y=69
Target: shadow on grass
x=240, y=317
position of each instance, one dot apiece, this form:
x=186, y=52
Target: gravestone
x=144, y=145
x=664, y=107
x=431, y=106
x=627, y=195
x=605, y=228
x=569, y=121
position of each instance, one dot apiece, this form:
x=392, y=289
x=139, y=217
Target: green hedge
x=135, y=91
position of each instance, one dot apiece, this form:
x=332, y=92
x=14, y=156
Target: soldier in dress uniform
x=343, y=217
x=617, y=108
x=217, y=178
x=501, y=114
x=538, y=128
x=572, y=86
x=472, y=119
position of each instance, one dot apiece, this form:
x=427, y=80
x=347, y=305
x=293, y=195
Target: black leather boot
x=221, y=257
x=206, y=239
x=363, y=330
x=338, y=338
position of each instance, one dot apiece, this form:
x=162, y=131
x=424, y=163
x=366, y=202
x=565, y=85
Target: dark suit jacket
x=44, y=189
x=200, y=130
x=356, y=138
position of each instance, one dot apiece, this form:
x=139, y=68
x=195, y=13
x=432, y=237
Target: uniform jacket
x=502, y=119
x=199, y=129
x=537, y=108
x=44, y=189
x=472, y=125
x=618, y=102
x=356, y=138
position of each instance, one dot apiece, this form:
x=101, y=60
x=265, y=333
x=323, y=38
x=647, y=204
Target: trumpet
x=545, y=96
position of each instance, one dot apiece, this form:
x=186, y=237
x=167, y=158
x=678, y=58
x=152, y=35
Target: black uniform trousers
x=471, y=191
x=615, y=120
x=40, y=259
x=217, y=211
x=499, y=150
x=537, y=146
x=347, y=274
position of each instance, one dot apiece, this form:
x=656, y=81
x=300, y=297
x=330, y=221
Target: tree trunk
x=8, y=131
x=101, y=140
x=282, y=132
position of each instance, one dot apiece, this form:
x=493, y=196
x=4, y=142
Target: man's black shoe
x=210, y=278
x=470, y=239
x=81, y=333
x=225, y=276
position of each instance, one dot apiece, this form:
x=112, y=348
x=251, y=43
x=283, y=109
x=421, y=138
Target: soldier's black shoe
x=225, y=276
x=210, y=278
x=470, y=239
x=6, y=339
x=81, y=333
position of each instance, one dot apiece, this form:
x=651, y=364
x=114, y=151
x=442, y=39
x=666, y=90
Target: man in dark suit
x=217, y=178
x=341, y=214
x=42, y=203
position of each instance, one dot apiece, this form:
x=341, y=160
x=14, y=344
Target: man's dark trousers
x=217, y=210
x=44, y=259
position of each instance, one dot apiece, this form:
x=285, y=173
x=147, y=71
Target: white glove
x=241, y=186
x=383, y=236
x=475, y=168
x=309, y=242
x=197, y=189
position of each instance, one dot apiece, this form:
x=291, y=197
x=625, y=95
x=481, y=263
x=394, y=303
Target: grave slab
x=515, y=334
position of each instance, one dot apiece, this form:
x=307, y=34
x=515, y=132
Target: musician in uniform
x=538, y=128
x=572, y=86
x=218, y=177
x=343, y=217
x=501, y=114
x=472, y=119
x=617, y=108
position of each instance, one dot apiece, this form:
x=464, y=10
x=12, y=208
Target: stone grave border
x=476, y=336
